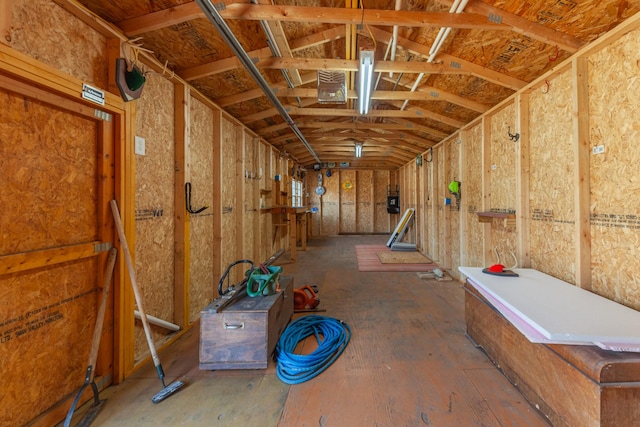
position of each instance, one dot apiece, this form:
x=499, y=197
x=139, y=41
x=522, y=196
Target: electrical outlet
x=598, y=149
x=140, y=146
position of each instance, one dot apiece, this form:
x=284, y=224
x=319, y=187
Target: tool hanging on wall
x=187, y=200
x=177, y=385
x=93, y=353
x=320, y=190
x=393, y=200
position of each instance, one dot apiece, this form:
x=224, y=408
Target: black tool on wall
x=393, y=200
x=187, y=200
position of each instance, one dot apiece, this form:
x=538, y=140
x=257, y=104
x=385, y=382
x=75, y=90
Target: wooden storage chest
x=572, y=385
x=244, y=334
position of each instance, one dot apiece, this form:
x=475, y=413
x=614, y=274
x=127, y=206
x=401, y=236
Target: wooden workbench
x=293, y=216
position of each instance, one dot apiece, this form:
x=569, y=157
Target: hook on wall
x=430, y=158
x=187, y=200
x=513, y=136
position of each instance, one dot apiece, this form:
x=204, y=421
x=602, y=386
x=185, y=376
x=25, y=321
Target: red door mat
x=368, y=260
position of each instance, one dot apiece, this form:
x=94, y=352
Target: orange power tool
x=305, y=297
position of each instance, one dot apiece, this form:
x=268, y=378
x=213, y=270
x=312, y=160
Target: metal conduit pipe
x=457, y=7
x=394, y=42
x=214, y=17
x=275, y=51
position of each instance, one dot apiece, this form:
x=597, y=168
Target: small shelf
x=509, y=218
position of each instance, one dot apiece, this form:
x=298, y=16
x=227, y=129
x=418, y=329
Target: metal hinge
x=102, y=115
x=102, y=247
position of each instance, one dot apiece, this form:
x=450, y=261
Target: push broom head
x=167, y=391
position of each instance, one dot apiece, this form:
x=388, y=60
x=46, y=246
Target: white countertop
x=557, y=310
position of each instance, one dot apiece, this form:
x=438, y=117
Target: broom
x=173, y=387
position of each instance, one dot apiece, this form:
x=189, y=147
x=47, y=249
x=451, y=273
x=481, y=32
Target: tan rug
x=399, y=257
x=368, y=260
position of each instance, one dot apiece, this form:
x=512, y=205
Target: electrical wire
x=332, y=335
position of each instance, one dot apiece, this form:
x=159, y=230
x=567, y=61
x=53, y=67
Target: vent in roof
x=332, y=87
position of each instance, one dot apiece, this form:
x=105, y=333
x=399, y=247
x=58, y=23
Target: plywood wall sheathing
x=182, y=220
x=381, y=186
x=551, y=188
x=442, y=192
x=51, y=314
x=230, y=135
x=472, y=193
x=615, y=181
x=155, y=174
x=44, y=34
x=331, y=204
x=251, y=241
x=454, y=173
x=523, y=179
x=58, y=173
x=503, y=172
x=201, y=280
x=348, y=188
x=364, y=201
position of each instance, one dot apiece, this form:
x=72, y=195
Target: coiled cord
x=332, y=335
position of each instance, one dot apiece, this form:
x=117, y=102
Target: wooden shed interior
x=234, y=113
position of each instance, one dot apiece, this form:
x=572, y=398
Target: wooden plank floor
x=409, y=363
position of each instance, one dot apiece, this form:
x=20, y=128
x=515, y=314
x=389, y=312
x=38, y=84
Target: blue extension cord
x=332, y=335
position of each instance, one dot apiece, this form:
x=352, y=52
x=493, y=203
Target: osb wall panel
x=614, y=105
x=381, y=188
x=201, y=281
x=313, y=201
x=48, y=190
x=46, y=324
x=265, y=201
x=347, y=201
x=251, y=241
x=155, y=174
x=422, y=203
x=552, y=166
x=47, y=185
x=502, y=176
x=441, y=192
x=430, y=237
x=364, y=201
x=48, y=33
x=230, y=135
x=408, y=177
x=503, y=160
x=331, y=205
x=472, y=195
x=453, y=169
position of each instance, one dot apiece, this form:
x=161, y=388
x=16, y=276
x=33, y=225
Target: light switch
x=139, y=146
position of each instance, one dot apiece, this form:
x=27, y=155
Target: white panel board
x=560, y=311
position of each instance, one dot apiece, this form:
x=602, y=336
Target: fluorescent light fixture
x=358, y=149
x=365, y=75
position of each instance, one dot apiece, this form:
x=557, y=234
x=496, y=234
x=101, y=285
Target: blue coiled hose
x=332, y=335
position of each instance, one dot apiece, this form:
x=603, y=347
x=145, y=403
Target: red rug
x=368, y=260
